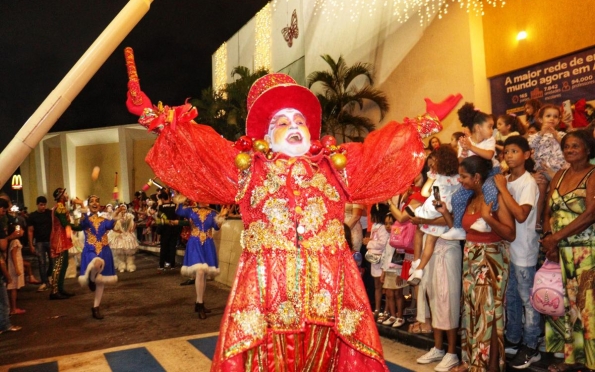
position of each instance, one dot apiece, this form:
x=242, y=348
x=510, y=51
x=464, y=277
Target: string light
x=221, y=67
x=402, y=9
x=262, y=39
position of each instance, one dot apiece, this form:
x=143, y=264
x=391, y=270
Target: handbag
x=401, y=235
x=373, y=258
x=547, y=294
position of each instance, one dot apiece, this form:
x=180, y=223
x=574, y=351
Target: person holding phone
x=444, y=186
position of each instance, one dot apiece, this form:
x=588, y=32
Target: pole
x=50, y=110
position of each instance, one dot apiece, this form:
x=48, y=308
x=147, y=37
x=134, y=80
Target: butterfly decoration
x=291, y=32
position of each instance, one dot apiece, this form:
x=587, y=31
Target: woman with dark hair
x=481, y=143
x=433, y=144
x=569, y=238
x=485, y=272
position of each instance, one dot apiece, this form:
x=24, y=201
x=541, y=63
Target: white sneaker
x=559, y=355
x=455, y=233
x=415, y=278
x=481, y=226
x=414, y=265
x=433, y=355
x=449, y=361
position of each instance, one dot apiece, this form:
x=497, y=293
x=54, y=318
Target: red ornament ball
x=328, y=141
x=244, y=143
x=315, y=147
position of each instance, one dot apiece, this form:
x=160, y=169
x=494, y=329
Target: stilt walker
x=298, y=302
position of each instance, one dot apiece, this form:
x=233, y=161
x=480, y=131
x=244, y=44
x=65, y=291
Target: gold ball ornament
x=339, y=161
x=243, y=161
x=261, y=145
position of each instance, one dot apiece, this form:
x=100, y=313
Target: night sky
x=40, y=41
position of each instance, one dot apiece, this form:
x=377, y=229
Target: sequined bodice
x=290, y=204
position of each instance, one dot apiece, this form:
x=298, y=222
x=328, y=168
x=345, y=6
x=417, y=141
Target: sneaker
x=559, y=355
x=481, y=225
x=42, y=288
x=510, y=348
x=434, y=355
x=455, y=233
x=525, y=357
x=449, y=361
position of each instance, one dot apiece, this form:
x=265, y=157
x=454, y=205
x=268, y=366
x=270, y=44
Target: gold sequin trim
x=61, y=208
x=278, y=215
x=348, y=321
x=275, y=178
x=251, y=322
x=314, y=213
x=257, y=236
x=331, y=237
x=318, y=181
x=201, y=235
x=286, y=314
x=321, y=302
x=96, y=221
x=202, y=213
x=243, y=181
x=98, y=244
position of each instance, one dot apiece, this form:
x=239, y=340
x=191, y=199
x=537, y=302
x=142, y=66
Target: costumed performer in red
x=298, y=302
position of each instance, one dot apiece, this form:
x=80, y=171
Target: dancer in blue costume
x=200, y=259
x=97, y=261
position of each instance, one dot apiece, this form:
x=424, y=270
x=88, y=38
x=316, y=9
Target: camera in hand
x=437, y=196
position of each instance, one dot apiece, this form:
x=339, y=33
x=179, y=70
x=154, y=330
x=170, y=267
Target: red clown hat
x=274, y=92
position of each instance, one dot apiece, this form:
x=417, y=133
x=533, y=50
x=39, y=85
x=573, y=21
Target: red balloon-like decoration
x=244, y=143
x=328, y=141
x=315, y=147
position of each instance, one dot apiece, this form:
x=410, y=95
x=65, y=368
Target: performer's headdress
x=274, y=92
x=58, y=193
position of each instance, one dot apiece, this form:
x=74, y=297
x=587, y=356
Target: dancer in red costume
x=298, y=302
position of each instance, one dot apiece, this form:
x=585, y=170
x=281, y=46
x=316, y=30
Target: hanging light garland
x=263, y=41
x=220, y=67
x=402, y=9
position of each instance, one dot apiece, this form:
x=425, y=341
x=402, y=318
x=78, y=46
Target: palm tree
x=341, y=98
x=226, y=111
x=236, y=94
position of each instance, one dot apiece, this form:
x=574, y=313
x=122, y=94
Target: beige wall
x=435, y=68
x=55, y=174
x=107, y=158
x=554, y=28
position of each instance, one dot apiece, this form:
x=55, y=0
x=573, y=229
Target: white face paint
x=288, y=133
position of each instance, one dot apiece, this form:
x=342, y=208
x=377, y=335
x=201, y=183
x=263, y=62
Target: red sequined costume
x=289, y=284
x=298, y=302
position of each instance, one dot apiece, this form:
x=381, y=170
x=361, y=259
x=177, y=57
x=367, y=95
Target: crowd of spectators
x=528, y=195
